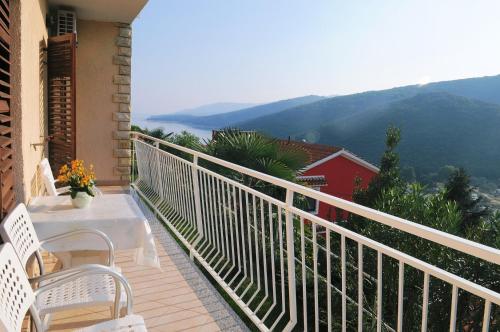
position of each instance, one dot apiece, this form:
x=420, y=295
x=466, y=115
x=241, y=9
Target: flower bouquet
x=80, y=180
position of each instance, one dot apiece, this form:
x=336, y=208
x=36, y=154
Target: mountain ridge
x=358, y=122
x=231, y=118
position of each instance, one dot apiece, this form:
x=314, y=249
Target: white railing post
x=158, y=170
x=290, y=261
x=197, y=198
x=133, y=177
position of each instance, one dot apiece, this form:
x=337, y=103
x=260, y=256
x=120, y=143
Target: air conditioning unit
x=66, y=22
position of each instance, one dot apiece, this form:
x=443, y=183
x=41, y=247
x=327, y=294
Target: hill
x=307, y=118
x=453, y=122
x=215, y=108
x=438, y=129
x=231, y=118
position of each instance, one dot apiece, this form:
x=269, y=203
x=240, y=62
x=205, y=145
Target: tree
x=186, y=139
x=389, y=174
x=453, y=210
x=257, y=152
x=459, y=190
x=156, y=132
x=445, y=172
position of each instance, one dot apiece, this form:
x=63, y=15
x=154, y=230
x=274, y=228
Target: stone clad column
x=122, y=59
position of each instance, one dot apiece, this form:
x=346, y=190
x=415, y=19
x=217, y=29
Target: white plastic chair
x=50, y=183
x=17, y=297
x=89, y=290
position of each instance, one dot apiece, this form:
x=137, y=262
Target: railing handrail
x=442, y=238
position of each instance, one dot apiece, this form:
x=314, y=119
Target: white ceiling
x=103, y=10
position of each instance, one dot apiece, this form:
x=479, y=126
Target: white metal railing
x=290, y=270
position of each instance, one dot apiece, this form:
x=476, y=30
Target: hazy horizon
x=188, y=54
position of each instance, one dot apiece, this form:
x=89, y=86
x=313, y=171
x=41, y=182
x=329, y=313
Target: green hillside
x=438, y=129
x=444, y=123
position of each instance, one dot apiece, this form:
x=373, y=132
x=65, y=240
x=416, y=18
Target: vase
x=81, y=200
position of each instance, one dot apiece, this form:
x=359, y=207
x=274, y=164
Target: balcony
x=280, y=267
x=176, y=298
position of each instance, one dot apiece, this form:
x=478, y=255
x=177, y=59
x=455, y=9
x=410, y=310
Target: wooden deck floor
x=164, y=298
x=177, y=298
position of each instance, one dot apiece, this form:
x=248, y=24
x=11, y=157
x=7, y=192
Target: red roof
x=314, y=152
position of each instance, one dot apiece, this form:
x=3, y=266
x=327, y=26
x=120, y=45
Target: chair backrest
x=16, y=295
x=17, y=228
x=48, y=177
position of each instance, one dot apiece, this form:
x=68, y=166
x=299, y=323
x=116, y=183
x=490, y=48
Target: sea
x=203, y=133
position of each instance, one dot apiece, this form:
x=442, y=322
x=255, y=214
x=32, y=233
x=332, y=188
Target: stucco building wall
x=94, y=97
x=102, y=97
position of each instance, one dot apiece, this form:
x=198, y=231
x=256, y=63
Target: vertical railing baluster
x=486, y=316
x=315, y=276
x=271, y=241
x=208, y=205
x=328, y=280
x=157, y=159
x=256, y=241
x=401, y=281
x=249, y=236
x=425, y=302
x=453, y=315
x=263, y=239
x=220, y=219
x=197, y=202
x=282, y=262
x=213, y=220
x=379, y=291
x=132, y=159
x=205, y=210
x=292, y=298
x=304, y=275
x=344, y=283
x=360, y=287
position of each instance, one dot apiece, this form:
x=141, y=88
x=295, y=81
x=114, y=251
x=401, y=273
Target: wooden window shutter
x=7, y=197
x=61, y=66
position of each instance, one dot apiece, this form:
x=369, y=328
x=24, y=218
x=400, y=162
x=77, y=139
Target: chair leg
x=116, y=306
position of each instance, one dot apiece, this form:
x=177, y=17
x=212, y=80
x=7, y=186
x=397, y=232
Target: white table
x=118, y=216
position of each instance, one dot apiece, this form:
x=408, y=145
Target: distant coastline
x=171, y=126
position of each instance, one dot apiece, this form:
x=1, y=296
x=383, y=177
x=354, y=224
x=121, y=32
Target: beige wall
x=94, y=99
x=102, y=100
x=29, y=93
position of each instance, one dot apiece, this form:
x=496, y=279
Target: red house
x=332, y=170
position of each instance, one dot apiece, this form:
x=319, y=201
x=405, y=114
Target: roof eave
x=118, y=11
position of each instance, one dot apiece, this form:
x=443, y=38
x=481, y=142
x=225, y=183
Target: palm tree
x=257, y=152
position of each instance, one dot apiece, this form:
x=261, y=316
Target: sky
x=188, y=53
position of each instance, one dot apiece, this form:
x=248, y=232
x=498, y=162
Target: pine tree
x=459, y=190
x=389, y=175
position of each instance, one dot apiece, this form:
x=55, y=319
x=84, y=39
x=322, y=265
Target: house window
x=312, y=205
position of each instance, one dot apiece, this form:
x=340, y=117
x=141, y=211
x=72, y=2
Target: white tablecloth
x=118, y=216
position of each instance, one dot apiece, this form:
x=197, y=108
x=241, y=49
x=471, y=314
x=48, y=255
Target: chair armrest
x=61, y=273
x=102, y=235
x=94, y=269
